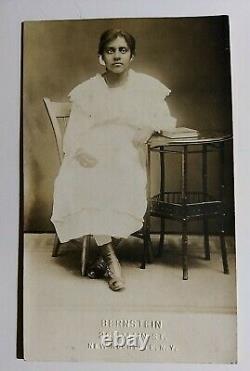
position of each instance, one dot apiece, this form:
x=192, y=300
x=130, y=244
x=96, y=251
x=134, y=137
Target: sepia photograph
x=127, y=248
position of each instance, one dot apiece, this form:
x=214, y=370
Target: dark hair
x=112, y=34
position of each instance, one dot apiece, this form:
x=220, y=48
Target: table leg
x=149, y=250
x=184, y=220
x=162, y=190
x=162, y=237
x=223, y=246
x=223, y=215
x=184, y=249
x=204, y=190
x=144, y=253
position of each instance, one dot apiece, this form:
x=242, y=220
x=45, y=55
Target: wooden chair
x=59, y=114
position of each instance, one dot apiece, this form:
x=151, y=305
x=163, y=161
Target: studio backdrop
x=191, y=56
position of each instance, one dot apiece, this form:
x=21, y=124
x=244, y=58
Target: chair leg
x=223, y=246
x=85, y=246
x=184, y=250
x=146, y=257
x=206, y=239
x=56, y=246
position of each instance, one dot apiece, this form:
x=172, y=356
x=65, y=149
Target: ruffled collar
x=100, y=77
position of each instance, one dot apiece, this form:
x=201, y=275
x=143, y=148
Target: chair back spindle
x=58, y=113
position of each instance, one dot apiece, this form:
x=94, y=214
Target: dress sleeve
x=78, y=124
x=154, y=111
x=161, y=118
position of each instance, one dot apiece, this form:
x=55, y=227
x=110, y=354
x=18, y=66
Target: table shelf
x=172, y=205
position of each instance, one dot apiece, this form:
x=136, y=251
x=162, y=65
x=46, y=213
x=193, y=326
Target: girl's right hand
x=85, y=159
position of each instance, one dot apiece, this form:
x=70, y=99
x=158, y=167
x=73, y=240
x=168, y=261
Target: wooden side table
x=185, y=205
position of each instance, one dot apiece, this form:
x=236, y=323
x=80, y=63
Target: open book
x=181, y=132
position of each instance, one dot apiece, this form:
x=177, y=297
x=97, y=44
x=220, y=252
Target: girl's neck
x=115, y=79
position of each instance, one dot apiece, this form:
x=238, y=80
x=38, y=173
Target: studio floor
x=64, y=312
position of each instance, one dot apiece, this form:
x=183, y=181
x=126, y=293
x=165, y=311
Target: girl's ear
x=101, y=61
x=132, y=58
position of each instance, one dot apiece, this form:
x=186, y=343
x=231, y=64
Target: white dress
x=110, y=198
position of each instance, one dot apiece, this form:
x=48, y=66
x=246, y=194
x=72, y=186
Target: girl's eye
x=110, y=51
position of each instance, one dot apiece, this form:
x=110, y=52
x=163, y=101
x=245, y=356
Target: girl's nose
x=117, y=54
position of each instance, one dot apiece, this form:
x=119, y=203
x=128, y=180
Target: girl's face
x=117, y=55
